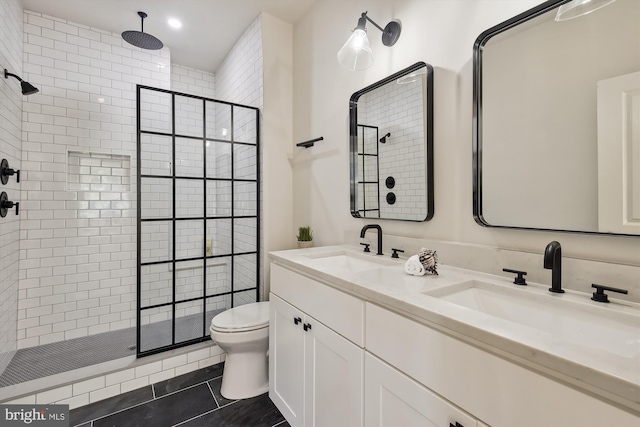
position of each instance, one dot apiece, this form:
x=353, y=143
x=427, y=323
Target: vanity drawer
x=497, y=391
x=339, y=311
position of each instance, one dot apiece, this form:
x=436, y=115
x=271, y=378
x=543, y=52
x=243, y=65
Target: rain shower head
x=140, y=38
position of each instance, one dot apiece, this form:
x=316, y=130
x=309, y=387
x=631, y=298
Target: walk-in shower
x=196, y=196
x=198, y=218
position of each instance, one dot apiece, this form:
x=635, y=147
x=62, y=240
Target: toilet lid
x=243, y=318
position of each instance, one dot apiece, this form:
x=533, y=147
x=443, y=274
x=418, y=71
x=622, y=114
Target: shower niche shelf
x=101, y=172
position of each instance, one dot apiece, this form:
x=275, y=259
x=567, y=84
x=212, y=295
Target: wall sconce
x=356, y=53
x=27, y=88
x=576, y=8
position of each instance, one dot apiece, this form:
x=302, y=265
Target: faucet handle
x=366, y=246
x=395, y=252
x=599, y=294
x=520, y=280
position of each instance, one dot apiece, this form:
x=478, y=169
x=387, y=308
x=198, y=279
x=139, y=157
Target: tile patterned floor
x=190, y=400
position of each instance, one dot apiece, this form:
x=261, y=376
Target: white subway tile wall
x=398, y=109
x=77, y=260
x=11, y=145
x=192, y=81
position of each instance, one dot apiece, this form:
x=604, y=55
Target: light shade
x=356, y=53
x=576, y=8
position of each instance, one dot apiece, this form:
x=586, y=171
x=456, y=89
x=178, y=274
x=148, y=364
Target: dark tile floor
x=191, y=400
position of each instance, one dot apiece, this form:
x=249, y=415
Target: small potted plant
x=305, y=237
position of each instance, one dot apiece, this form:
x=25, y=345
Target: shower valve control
x=6, y=172
x=6, y=204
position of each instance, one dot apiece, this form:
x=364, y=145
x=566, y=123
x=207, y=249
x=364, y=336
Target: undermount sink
x=583, y=325
x=347, y=261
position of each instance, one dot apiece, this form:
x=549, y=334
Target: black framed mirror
x=391, y=140
x=556, y=139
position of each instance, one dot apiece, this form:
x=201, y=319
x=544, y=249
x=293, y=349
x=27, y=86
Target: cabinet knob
x=297, y=320
x=456, y=425
x=307, y=326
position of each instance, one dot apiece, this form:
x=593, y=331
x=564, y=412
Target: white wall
x=10, y=149
x=442, y=34
x=77, y=247
x=277, y=140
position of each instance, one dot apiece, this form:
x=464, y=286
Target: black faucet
x=377, y=227
x=553, y=261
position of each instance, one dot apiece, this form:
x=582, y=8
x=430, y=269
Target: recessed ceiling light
x=174, y=23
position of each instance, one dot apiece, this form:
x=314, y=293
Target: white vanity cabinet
x=393, y=399
x=316, y=374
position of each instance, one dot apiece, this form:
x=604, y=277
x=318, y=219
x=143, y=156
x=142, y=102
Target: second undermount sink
x=579, y=324
x=346, y=261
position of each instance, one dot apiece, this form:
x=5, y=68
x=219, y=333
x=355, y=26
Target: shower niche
x=198, y=219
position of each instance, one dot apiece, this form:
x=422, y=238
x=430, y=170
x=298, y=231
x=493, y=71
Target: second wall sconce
x=356, y=53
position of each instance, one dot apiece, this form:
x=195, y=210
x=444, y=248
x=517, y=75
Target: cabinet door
x=333, y=378
x=286, y=360
x=393, y=399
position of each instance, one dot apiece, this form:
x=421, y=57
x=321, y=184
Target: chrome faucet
x=377, y=227
x=553, y=262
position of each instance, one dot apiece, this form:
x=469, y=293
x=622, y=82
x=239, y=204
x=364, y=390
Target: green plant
x=305, y=234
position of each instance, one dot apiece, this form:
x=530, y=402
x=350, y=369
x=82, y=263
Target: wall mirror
x=557, y=121
x=391, y=147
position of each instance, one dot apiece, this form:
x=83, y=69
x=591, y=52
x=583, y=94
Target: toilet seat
x=244, y=318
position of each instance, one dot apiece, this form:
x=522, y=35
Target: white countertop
x=615, y=377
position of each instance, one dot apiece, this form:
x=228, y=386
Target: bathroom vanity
x=356, y=341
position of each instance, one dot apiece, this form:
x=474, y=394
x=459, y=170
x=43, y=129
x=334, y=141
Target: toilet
x=243, y=332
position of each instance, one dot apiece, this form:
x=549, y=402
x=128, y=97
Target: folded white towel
x=414, y=267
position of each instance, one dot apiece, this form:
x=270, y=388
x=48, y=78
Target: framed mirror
x=556, y=129
x=391, y=147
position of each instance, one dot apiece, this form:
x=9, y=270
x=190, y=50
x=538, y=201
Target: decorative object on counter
x=309, y=143
x=414, y=267
x=26, y=87
x=429, y=260
x=6, y=172
x=305, y=237
x=520, y=280
x=395, y=252
x=356, y=53
x=599, y=294
x=6, y=204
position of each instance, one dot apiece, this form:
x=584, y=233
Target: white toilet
x=243, y=332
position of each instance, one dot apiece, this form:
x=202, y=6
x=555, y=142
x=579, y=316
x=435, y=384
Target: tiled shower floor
x=189, y=400
x=50, y=359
